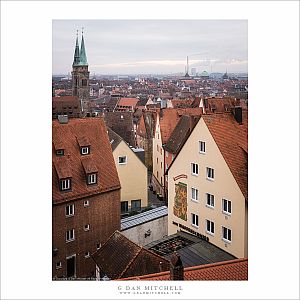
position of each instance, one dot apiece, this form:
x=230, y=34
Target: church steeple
x=83, y=59
x=76, y=53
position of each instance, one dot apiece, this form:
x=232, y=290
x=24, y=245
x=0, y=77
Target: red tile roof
x=236, y=269
x=169, y=118
x=76, y=165
x=128, y=102
x=232, y=140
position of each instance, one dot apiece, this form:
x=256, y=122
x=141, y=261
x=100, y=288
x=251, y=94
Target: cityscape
x=150, y=166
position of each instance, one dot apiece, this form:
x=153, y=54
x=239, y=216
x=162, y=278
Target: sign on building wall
x=180, y=201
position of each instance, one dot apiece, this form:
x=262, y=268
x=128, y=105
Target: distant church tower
x=81, y=75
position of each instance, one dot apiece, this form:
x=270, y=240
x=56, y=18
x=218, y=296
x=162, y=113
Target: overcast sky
x=153, y=46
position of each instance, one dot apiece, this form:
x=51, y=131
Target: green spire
x=83, y=59
x=76, y=54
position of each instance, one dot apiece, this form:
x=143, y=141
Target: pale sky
x=153, y=46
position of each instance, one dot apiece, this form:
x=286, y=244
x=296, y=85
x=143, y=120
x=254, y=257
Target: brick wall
x=103, y=216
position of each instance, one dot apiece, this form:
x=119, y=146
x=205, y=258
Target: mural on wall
x=180, y=201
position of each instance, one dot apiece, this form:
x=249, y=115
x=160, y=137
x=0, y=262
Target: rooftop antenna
x=82, y=30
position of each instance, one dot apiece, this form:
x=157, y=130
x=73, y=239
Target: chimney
x=176, y=267
x=238, y=114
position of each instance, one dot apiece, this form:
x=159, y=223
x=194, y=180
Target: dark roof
x=122, y=124
x=119, y=258
x=236, y=269
x=75, y=165
x=180, y=133
x=232, y=140
x=114, y=138
x=192, y=250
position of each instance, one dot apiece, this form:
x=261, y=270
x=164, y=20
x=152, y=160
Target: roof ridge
x=131, y=261
x=220, y=263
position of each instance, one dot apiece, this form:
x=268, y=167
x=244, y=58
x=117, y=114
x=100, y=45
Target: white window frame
x=226, y=230
x=209, y=226
x=197, y=194
x=85, y=150
x=192, y=171
x=124, y=163
x=70, y=238
x=207, y=173
x=65, y=184
x=87, y=227
x=92, y=178
x=209, y=197
x=201, y=143
x=196, y=219
x=97, y=246
x=60, y=152
x=87, y=254
x=86, y=203
x=58, y=265
x=70, y=210
x=226, y=212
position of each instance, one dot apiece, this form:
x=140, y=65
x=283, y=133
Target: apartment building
x=208, y=182
x=85, y=195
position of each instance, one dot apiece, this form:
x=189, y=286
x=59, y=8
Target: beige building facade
x=158, y=160
x=204, y=196
x=132, y=174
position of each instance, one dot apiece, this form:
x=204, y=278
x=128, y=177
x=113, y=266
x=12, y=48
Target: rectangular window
x=98, y=246
x=210, y=200
x=60, y=152
x=70, y=235
x=70, y=210
x=195, y=221
x=58, y=265
x=157, y=160
x=136, y=205
x=87, y=254
x=194, y=168
x=226, y=206
x=194, y=193
x=201, y=147
x=226, y=234
x=87, y=227
x=167, y=154
x=65, y=184
x=92, y=178
x=161, y=165
x=124, y=206
x=157, y=148
x=122, y=160
x=86, y=203
x=85, y=150
x=210, y=227
x=210, y=173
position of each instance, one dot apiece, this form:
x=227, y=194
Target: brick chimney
x=238, y=115
x=176, y=267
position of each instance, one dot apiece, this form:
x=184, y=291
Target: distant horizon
x=152, y=46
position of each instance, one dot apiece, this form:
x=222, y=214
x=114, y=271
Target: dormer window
x=60, y=152
x=85, y=150
x=65, y=184
x=92, y=178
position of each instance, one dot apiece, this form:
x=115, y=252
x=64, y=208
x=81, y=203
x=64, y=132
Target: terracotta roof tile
x=169, y=118
x=128, y=101
x=232, y=140
x=100, y=153
x=229, y=270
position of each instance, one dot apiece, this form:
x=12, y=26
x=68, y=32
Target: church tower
x=81, y=75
